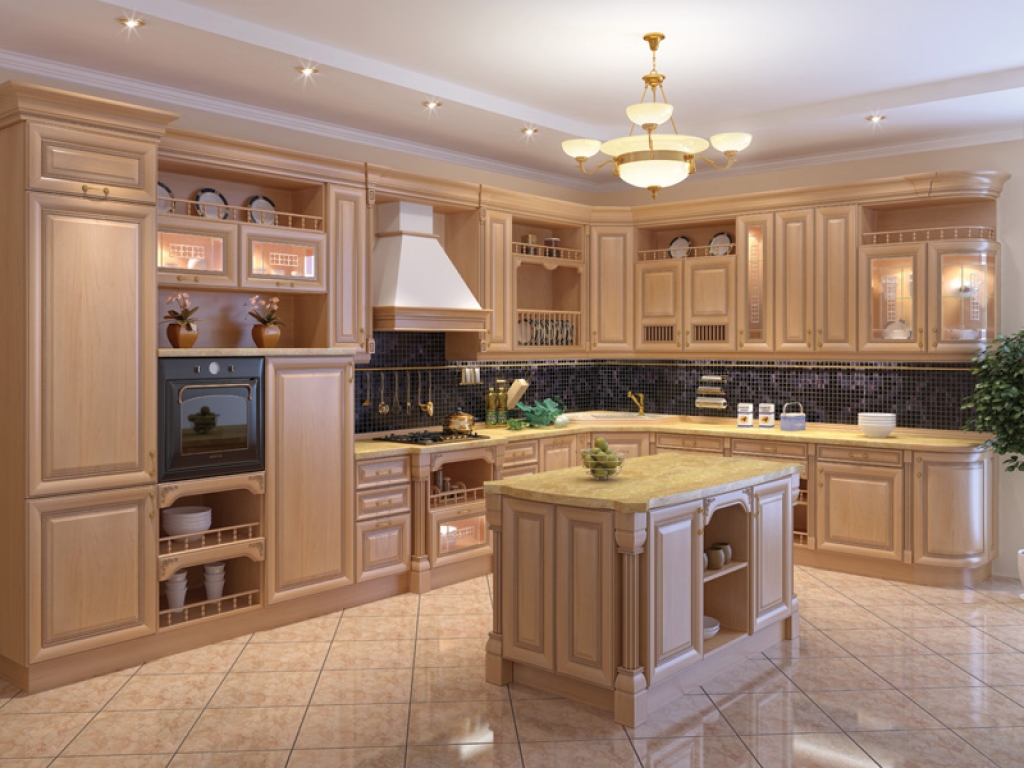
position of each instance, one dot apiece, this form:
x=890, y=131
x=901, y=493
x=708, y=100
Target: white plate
x=162, y=190
x=211, y=204
x=262, y=209
x=711, y=627
x=526, y=336
x=680, y=247
x=720, y=245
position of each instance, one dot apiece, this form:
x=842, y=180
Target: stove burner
x=428, y=437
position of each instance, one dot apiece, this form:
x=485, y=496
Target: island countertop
x=644, y=483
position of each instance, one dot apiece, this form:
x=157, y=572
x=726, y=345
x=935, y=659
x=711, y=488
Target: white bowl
x=877, y=430
x=217, y=567
x=711, y=627
x=883, y=416
x=178, y=577
x=177, y=521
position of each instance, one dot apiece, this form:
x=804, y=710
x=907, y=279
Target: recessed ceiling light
x=875, y=119
x=131, y=22
x=307, y=70
x=530, y=131
x=432, y=104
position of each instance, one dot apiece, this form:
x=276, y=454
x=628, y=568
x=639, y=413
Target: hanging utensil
x=366, y=402
x=397, y=407
x=428, y=407
x=408, y=392
x=382, y=407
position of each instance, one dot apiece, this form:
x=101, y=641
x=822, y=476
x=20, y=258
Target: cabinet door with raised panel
x=92, y=570
x=348, y=267
x=498, y=281
x=860, y=510
x=310, y=460
x=558, y=453
x=659, y=306
x=773, y=552
x=891, y=298
x=629, y=444
x=954, y=501
x=383, y=547
x=755, y=245
x=528, y=583
x=92, y=345
x=794, y=281
x=835, y=279
x=611, y=289
x=709, y=304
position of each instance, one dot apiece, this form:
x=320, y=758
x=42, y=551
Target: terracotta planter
x=266, y=336
x=182, y=337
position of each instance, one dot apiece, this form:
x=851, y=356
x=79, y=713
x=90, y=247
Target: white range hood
x=415, y=285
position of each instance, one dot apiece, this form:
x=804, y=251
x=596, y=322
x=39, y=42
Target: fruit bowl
x=602, y=465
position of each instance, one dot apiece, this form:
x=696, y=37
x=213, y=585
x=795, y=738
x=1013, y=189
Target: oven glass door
x=214, y=418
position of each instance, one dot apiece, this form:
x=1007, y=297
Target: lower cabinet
x=310, y=459
x=92, y=570
x=383, y=547
x=528, y=602
x=953, y=510
x=860, y=509
x=629, y=444
x=558, y=453
x=773, y=558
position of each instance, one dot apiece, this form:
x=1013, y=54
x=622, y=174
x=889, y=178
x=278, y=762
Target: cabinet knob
x=386, y=524
x=183, y=279
x=920, y=338
x=810, y=333
x=935, y=337
x=284, y=284
x=86, y=188
x=858, y=455
x=740, y=332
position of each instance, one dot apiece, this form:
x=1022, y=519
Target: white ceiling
x=801, y=75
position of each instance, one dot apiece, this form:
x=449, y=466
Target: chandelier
x=657, y=160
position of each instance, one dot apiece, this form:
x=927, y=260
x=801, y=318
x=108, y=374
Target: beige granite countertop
x=645, y=483
x=822, y=434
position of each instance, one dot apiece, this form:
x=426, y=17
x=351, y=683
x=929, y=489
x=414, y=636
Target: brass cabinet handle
x=362, y=335
x=687, y=335
x=919, y=458
x=182, y=279
x=820, y=342
x=152, y=507
x=381, y=502
x=740, y=332
x=152, y=457
x=703, y=520
x=920, y=338
x=385, y=524
x=859, y=455
x=809, y=338
x=86, y=188
x=284, y=284
x=351, y=372
x=462, y=512
x=935, y=337
x=380, y=472
x=688, y=443
x=919, y=474
x=769, y=449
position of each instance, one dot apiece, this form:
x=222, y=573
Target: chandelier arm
x=726, y=167
x=672, y=117
x=582, y=160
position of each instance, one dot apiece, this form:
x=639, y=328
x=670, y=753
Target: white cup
x=214, y=589
x=176, y=595
x=178, y=578
x=211, y=568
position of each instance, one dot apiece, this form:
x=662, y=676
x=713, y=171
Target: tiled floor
x=883, y=674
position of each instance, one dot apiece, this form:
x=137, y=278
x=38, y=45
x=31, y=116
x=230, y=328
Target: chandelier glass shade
x=654, y=160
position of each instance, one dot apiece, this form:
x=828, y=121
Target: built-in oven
x=211, y=416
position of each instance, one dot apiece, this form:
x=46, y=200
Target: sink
x=618, y=416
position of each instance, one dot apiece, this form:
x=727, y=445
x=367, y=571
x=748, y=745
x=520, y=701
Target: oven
x=211, y=416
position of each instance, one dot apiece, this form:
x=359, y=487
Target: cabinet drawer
x=519, y=470
x=524, y=452
x=378, y=472
x=80, y=162
x=384, y=501
x=690, y=443
x=884, y=456
x=383, y=547
x=769, y=449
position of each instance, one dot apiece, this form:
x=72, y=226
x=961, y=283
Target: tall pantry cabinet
x=78, y=395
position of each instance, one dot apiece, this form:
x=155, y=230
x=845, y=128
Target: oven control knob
x=214, y=368
x=199, y=369
x=231, y=369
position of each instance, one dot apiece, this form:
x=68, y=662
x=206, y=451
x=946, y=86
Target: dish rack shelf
x=446, y=499
x=922, y=235
x=198, y=609
x=547, y=253
x=176, y=206
x=692, y=252
x=544, y=328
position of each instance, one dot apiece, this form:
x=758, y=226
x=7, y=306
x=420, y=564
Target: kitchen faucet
x=639, y=403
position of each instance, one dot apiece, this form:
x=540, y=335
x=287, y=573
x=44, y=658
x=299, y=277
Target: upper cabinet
x=755, y=242
x=611, y=288
x=962, y=294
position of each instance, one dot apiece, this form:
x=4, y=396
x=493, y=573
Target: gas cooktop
x=428, y=437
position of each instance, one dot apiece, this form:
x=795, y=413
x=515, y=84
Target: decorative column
x=498, y=670
x=630, y=681
x=419, y=576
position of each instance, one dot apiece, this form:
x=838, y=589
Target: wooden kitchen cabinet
x=835, y=279
x=659, y=305
x=963, y=295
x=859, y=509
x=755, y=245
x=383, y=546
x=628, y=444
x=773, y=555
x=528, y=586
x=310, y=462
x=351, y=309
x=954, y=499
x=891, y=307
x=558, y=453
x=709, y=304
x=92, y=575
x=794, y=281
x=91, y=363
x=611, y=289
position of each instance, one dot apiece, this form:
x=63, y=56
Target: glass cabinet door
x=284, y=261
x=963, y=311
x=754, y=238
x=892, y=314
x=199, y=253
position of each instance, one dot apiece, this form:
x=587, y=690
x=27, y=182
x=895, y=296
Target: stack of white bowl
x=876, y=424
x=178, y=521
x=175, y=588
x=213, y=578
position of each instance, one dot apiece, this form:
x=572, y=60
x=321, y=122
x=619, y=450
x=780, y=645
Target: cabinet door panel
x=383, y=547
x=629, y=445
x=498, y=281
x=347, y=262
x=953, y=503
x=659, y=305
x=528, y=604
x=835, y=246
x=92, y=570
x=585, y=598
x=755, y=243
x=557, y=453
x=891, y=291
x=794, y=281
x=309, y=476
x=860, y=510
x=92, y=371
x=611, y=289
x=709, y=304
x=773, y=550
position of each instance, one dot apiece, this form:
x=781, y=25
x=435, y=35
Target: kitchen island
x=600, y=587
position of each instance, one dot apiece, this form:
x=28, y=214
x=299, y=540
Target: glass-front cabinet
x=892, y=310
x=754, y=240
x=963, y=286
x=293, y=261
x=196, y=253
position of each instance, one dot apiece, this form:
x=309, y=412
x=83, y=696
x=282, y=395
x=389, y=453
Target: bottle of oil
x=491, y=418
x=502, y=403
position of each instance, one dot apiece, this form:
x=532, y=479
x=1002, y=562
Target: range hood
x=415, y=285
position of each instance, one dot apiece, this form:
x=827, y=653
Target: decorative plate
x=211, y=204
x=163, y=191
x=261, y=209
x=720, y=245
x=679, y=248
x=526, y=334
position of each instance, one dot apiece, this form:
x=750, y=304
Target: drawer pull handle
x=86, y=188
x=152, y=457
x=703, y=520
x=182, y=279
x=284, y=284
x=381, y=502
x=462, y=512
x=385, y=524
x=380, y=472
x=809, y=336
x=769, y=449
x=689, y=443
x=859, y=455
x=920, y=338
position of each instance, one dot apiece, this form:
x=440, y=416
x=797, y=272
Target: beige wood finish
x=181, y=231
x=348, y=266
x=859, y=510
x=310, y=463
x=772, y=566
x=92, y=364
x=498, y=284
x=687, y=443
x=383, y=547
x=984, y=253
x=944, y=486
x=380, y=502
x=92, y=570
x=558, y=453
x=709, y=304
x=870, y=296
x=255, y=236
x=768, y=449
x=519, y=471
x=794, y=281
x=528, y=591
x=374, y=473
x=521, y=452
x=755, y=249
x=675, y=559
x=627, y=444
x=835, y=279
x=585, y=637
x=860, y=456
x=611, y=289
x=659, y=306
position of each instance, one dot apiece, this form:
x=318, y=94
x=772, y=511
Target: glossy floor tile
x=882, y=674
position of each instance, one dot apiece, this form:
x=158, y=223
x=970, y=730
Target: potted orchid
x=267, y=331
x=182, y=331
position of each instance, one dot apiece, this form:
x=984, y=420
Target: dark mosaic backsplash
x=921, y=396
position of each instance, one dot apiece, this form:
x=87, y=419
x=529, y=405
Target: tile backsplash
x=921, y=396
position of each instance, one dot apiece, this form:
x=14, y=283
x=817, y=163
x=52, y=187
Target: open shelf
x=242, y=590
x=725, y=570
x=723, y=637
